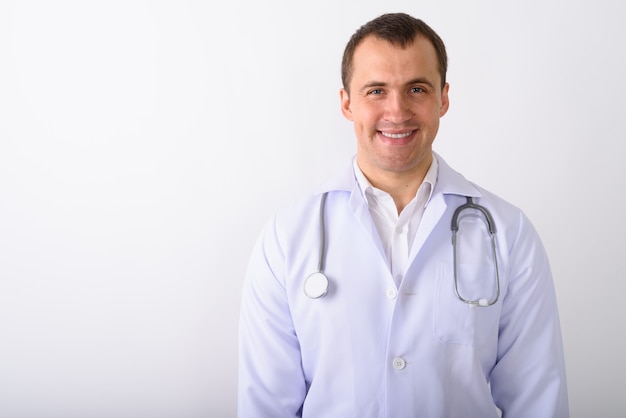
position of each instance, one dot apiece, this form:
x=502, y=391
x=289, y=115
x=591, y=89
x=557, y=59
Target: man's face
x=395, y=103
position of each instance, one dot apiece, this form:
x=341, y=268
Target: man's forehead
x=417, y=60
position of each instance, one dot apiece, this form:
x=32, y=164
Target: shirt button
x=392, y=293
x=399, y=363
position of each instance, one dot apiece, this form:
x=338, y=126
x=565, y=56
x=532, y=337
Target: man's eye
x=376, y=91
x=417, y=90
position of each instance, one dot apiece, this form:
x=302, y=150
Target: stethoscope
x=492, y=233
x=317, y=284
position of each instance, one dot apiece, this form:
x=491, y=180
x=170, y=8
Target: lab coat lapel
x=364, y=218
x=432, y=215
x=449, y=182
x=345, y=181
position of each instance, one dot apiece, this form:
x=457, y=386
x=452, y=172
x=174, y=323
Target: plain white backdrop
x=143, y=144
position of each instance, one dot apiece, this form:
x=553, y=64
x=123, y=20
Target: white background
x=143, y=144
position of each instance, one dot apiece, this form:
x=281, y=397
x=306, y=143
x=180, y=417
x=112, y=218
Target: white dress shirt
x=397, y=231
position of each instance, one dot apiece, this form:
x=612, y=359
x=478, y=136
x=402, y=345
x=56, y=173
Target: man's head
x=400, y=30
x=394, y=93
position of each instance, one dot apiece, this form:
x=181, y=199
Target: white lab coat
x=369, y=348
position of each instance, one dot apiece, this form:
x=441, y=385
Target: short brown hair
x=399, y=29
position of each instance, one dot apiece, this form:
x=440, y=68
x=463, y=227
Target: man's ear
x=445, y=101
x=345, y=104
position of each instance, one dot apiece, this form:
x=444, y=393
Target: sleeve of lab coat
x=528, y=379
x=271, y=381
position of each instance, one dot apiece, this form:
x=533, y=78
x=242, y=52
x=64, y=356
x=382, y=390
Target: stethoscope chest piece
x=316, y=285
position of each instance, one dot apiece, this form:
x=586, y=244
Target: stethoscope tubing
x=320, y=265
x=454, y=226
x=317, y=284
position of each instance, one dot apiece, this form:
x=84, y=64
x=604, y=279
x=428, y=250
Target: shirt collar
x=366, y=187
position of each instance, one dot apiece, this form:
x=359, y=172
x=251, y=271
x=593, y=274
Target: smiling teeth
x=396, y=136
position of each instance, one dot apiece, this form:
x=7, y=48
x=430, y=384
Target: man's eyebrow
x=372, y=84
x=420, y=80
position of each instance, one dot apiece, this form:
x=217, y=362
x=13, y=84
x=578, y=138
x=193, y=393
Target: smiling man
x=400, y=289
x=395, y=95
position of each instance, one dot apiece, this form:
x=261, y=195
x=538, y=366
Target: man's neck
x=402, y=186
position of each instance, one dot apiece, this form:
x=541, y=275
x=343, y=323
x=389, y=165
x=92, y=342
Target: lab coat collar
x=449, y=181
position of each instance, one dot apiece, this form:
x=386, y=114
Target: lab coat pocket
x=455, y=321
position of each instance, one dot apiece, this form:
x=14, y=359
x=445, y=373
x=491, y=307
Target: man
x=407, y=324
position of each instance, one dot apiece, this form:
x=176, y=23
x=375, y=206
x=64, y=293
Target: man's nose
x=397, y=108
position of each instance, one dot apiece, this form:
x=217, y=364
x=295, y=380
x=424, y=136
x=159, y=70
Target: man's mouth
x=396, y=136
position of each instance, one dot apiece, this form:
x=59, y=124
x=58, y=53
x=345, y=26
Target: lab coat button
x=399, y=363
x=392, y=293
